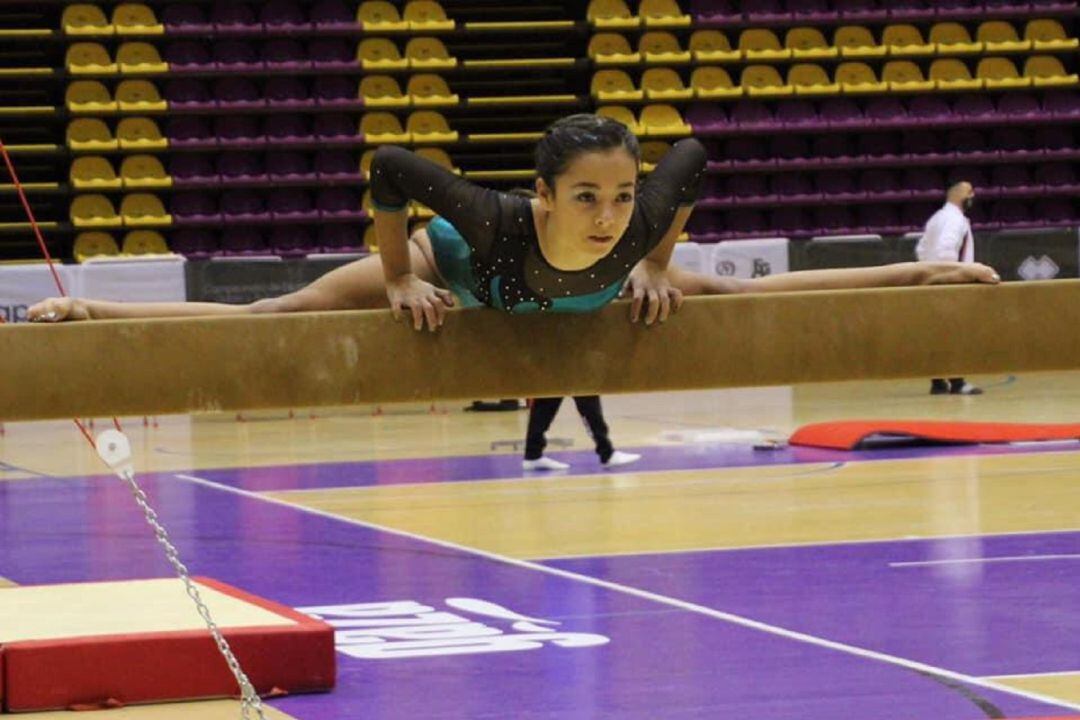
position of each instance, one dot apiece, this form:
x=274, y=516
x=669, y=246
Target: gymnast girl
x=592, y=232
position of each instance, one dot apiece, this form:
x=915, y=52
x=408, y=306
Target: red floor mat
x=851, y=434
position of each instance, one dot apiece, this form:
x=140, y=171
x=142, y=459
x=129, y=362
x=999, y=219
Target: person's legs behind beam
x=541, y=415
x=589, y=408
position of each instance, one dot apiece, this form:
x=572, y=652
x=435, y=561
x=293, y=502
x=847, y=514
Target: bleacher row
x=255, y=137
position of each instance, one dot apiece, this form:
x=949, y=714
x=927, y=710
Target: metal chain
x=249, y=699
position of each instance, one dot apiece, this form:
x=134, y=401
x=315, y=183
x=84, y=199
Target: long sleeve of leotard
x=398, y=176
x=674, y=183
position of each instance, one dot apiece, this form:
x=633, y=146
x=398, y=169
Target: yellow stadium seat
x=93, y=173
x=380, y=16
x=953, y=39
x=951, y=74
x=758, y=44
x=94, y=244
x=90, y=134
x=143, y=210
x=611, y=15
x=140, y=134
x=763, y=81
x=427, y=90
x=652, y=151
x=1049, y=35
x=712, y=83
x=808, y=44
x=85, y=20
x=810, y=79
x=428, y=53
x=382, y=127
x=89, y=96
x=623, y=115
x=365, y=162
x=614, y=86
x=906, y=40
x=140, y=57
x=662, y=14
x=439, y=157
x=380, y=54
x=855, y=41
x=664, y=84
x=86, y=58
x=856, y=78
x=905, y=76
x=136, y=19
x=139, y=96
x=382, y=91
x=999, y=36
x=93, y=211
x=428, y=126
x=662, y=48
x=1047, y=71
x=663, y=120
x=1000, y=73
x=145, y=242
x=712, y=46
x=428, y=16
x=611, y=49
x=144, y=172
x=370, y=242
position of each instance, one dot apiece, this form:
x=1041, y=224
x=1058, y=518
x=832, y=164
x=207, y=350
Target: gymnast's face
x=592, y=200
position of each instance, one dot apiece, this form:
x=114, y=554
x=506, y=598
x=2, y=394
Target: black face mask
x=969, y=203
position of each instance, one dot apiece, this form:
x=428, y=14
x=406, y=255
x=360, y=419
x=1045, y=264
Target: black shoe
x=965, y=389
x=939, y=387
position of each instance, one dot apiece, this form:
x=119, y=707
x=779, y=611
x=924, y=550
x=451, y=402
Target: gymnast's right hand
x=58, y=309
x=426, y=301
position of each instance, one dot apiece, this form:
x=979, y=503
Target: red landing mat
x=92, y=645
x=851, y=434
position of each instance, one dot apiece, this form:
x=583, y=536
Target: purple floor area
x=422, y=654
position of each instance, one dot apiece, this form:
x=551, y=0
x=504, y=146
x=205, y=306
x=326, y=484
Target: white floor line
x=662, y=599
x=984, y=561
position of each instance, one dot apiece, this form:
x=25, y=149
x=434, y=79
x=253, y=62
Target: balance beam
x=179, y=365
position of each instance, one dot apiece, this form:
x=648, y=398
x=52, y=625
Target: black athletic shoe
x=939, y=387
x=965, y=388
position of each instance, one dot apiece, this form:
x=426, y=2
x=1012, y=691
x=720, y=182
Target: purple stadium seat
x=1063, y=104
x=909, y=10
x=716, y=11
x=241, y=206
x=1011, y=177
x=287, y=92
x=856, y=10
x=291, y=204
x=191, y=168
x=838, y=186
x=194, y=244
x=238, y=131
x=957, y=8
x=1010, y=213
x=285, y=165
x=883, y=185
x=1055, y=175
x=914, y=215
x=797, y=114
x=750, y=185
x=923, y=142
x=975, y=175
x=240, y=167
x=242, y=241
x=193, y=208
x=752, y=114
x=745, y=221
x=285, y=54
x=236, y=55
x=334, y=91
x=291, y=241
x=185, y=19
x=966, y=141
x=287, y=129
x=331, y=54
x=974, y=106
x=880, y=219
x=886, y=111
x=337, y=165
x=1055, y=137
x=702, y=224
x=1019, y=106
x=339, y=238
x=707, y=117
x=758, y=11
x=1055, y=210
x=332, y=15
x=338, y=203
x=924, y=180
x=229, y=16
x=188, y=55
x=834, y=220
x=1011, y=139
x=810, y=11
x=237, y=93
x=840, y=112
x=833, y=147
x=187, y=131
x=879, y=145
x=283, y=15
x=745, y=148
x=335, y=127
x=790, y=147
x=189, y=93
x=790, y=220
x=794, y=187
x=929, y=109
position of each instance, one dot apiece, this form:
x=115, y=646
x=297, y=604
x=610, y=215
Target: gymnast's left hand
x=649, y=285
x=424, y=300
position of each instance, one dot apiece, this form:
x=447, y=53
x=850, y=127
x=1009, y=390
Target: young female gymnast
x=592, y=232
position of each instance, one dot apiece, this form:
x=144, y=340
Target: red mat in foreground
x=851, y=434
x=95, y=645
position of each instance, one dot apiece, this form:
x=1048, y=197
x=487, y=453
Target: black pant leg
x=591, y=412
x=541, y=415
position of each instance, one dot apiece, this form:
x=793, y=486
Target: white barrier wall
x=23, y=285
x=748, y=258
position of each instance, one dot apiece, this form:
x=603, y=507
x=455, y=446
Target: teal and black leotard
x=485, y=242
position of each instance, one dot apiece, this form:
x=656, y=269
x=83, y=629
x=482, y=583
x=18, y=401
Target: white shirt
x=947, y=236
